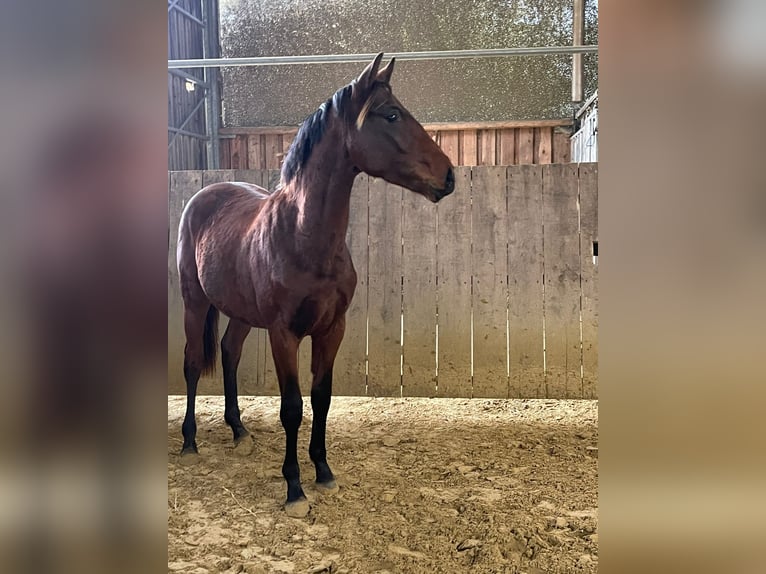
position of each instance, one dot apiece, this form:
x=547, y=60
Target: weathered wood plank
x=385, y=294
x=419, y=296
x=525, y=277
x=589, y=272
x=211, y=176
x=225, y=154
x=487, y=148
x=272, y=147
x=562, y=147
x=561, y=252
x=255, y=159
x=490, y=275
x=183, y=185
x=350, y=372
x=448, y=140
x=468, y=152
x=243, y=153
x=453, y=268
x=507, y=147
x=543, y=145
x=434, y=126
x=525, y=146
x=255, y=176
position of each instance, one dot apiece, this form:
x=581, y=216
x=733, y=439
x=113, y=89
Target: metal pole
x=349, y=58
x=578, y=28
x=212, y=96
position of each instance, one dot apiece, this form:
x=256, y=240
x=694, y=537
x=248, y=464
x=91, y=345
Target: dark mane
x=310, y=133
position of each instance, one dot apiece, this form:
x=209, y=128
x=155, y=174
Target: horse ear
x=385, y=74
x=370, y=73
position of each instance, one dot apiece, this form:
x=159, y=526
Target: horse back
x=212, y=240
x=235, y=202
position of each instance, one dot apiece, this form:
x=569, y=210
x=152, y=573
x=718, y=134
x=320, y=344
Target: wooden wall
x=494, y=289
x=185, y=42
x=485, y=143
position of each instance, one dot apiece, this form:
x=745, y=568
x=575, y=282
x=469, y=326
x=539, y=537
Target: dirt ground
x=426, y=485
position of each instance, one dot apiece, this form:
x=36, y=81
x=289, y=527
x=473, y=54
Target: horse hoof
x=329, y=487
x=189, y=456
x=243, y=446
x=297, y=508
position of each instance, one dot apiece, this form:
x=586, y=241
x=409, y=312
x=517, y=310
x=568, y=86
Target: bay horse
x=280, y=262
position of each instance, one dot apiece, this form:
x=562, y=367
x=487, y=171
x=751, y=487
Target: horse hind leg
x=231, y=352
x=200, y=325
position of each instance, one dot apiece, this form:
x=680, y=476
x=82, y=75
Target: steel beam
x=349, y=58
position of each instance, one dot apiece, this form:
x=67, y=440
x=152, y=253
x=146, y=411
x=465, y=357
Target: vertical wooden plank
x=225, y=153
x=272, y=147
x=236, y=152
x=182, y=186
x=468, y=153
x=487, y=147
x=448, y=140
x=507, y=147
x=243, y=155
x=385, y=294
x=255, y=176
x=350, y=372
x=589, y=274
x=544, y=145
x=255, y=158
x=525, y=277
x=419, y=296
x=536, y=145
x=211, y=176
x=562, y=147
x=490, y=275
x=525, y=148
x=453, y=268
x=561, y=252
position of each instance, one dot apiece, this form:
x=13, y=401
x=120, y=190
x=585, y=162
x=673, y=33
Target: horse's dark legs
x=231, y=352
x=284, y=348
x=323, y=351
x=194, y=324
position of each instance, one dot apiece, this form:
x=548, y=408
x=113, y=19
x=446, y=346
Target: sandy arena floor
x=426, y=485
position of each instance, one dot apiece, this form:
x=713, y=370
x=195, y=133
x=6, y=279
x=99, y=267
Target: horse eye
x=392, y=117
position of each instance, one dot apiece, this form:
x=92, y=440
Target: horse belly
x=222, y=287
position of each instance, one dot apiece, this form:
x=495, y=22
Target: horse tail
x=210, y=340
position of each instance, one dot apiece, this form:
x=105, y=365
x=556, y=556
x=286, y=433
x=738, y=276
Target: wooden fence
x=483, y=143
x=490, y=293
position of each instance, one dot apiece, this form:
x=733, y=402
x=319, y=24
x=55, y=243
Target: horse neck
x=322, y=192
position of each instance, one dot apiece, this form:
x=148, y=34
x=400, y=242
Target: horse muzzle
x=449, y=187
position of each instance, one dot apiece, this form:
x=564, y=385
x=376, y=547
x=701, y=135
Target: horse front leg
x=284, y=349
x=324, y=348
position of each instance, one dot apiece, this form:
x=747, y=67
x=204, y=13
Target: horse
x=280, y=261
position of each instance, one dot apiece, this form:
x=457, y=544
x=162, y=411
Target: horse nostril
x=450, y=184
